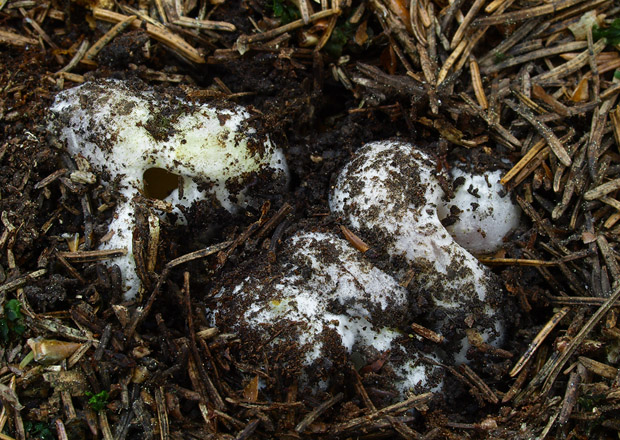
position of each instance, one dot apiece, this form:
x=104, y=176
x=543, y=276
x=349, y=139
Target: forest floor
x=529, y=87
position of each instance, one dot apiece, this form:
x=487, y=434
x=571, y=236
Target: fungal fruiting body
x=485, y=213
x=206, y=151
x=320, y=304
x=390, y=193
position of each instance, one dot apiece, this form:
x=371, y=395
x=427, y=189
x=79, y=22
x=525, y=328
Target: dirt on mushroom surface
x=493, y=85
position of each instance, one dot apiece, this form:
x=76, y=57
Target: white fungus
x=125, y=131
x=325, y=302
x=391, y=194
x=487, y=214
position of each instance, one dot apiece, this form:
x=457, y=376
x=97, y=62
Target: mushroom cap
x=124, y=130
x=390, y=193
x=487, y=214
x=326, y=303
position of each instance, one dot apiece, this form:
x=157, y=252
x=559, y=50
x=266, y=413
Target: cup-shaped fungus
x=391, y=194
x=321, y=304
x=163, y=147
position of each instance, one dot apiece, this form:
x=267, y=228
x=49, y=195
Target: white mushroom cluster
x=390, y=193
x=325, y=301
x=163, y=147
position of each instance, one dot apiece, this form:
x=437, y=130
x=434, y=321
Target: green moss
x=611, y=33
x=285, y=11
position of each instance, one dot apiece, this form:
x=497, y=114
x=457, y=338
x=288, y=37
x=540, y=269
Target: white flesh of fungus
x=322, y=286
x=487, y=214
x=390, y=192
x=124, y=132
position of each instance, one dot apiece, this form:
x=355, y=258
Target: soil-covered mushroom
x=163, y=147
x=391, y=193
x=322, y=305
x=485, y=213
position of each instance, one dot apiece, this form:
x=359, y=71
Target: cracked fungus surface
x=390, y=192
x=321, y=303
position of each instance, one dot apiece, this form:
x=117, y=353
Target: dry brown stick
x=44, y=36
x=117, y=29
x=316, y=412
x=577, y=340
x=14, y=39
x=246, y=433
x=576, y=300
x=524, y=14
x=19, y=282
x=610, y=91
x=539, y=93
x=493, y=124
x=92, y=256
x=571, y=66
x=516, y=387
x=450, y=61
x=248, y=39
x=175, y=42
x=305, y=10
x=538, y=340
x=79, y=54
x=331, y=25
x=74, y=273
x=223, y=255
x=201, y=253
x=213, y=393
x=527, y=101
x=596, y=134
x=414, y=22
x=427, y=333
x=575, y=182
x=361, y=390
x=529, y=210
x=610, y=260
x=570, y=396
x=520, y=33
x=517, y=261
x=593, y=51
x=205, y=24
x=464, y=26
x=602, y=190
x=162, y=414
x=534, y=55
x=487, y=393
x=476, y=80
x=552, y=140
x=599, y=368
x=278, y=217
x=388, y=410
x=450, y=13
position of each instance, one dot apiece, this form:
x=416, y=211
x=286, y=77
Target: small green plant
x=339, y=38
x=611, y=33
x=498, y=57
x=39, y=431
x=97, y=401
x=12, y=321
x=285, y=11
